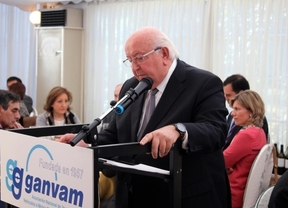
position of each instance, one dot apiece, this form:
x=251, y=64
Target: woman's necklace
x=249, y=126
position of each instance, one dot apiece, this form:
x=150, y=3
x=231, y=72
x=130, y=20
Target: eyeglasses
x=138, y=59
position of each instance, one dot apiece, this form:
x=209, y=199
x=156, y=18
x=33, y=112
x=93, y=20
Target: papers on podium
x=142, y=167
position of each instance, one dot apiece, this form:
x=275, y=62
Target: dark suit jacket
x=279, y=195
x=195, y=98
x=28, y=102
x=236, y=129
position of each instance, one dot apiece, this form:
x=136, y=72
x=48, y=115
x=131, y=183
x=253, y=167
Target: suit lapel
x=173, y=90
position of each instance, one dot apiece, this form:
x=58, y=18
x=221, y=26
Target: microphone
x=119, y=107
x=132, y=94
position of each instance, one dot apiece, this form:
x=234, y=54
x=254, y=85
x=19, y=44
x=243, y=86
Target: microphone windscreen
x=112, y=103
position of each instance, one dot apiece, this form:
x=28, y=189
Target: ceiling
x=32, y=5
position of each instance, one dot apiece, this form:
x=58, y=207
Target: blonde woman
x=248, y=112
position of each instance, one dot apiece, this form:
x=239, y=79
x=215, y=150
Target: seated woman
x=57, y=109
x=248, y=112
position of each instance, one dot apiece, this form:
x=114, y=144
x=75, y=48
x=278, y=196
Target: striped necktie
x=232, y=126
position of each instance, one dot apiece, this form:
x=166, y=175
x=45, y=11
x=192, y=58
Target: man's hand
x=16, y=125
x=162, y=140
x=66, y=138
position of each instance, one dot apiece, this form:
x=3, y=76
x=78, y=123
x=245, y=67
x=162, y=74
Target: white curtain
x=249, y=37
x=17, y=48
x=110, y=24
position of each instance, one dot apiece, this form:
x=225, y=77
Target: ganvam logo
x=15, y=177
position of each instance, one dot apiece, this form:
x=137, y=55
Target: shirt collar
x=161, y=87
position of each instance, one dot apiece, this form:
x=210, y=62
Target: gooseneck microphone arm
x=89, y=132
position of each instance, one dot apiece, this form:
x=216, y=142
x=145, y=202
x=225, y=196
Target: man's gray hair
x=164, y=41
x=6, y=97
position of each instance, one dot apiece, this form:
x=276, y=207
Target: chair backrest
x=259, y=176
x=263, y=199
x=29, y=121
x=34, y=112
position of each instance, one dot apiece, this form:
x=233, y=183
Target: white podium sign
x=42, y=173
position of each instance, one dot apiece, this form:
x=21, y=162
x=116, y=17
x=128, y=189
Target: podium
x=173, y=175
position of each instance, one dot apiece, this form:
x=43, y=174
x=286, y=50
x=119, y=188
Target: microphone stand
x=89, y=133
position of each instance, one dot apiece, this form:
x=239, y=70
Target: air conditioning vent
x=53, y=18
x=68, y=17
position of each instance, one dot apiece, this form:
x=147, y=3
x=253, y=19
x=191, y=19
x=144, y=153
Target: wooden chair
x=29, y=121
x=259, y=176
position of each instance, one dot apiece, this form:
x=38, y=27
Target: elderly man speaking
x=189, y=106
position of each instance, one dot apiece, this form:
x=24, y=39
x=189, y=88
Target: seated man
x=233, y=85
x=108, y=118
x=9, y=110
x=9, y=113
x=27, y=99
x=107, y=177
